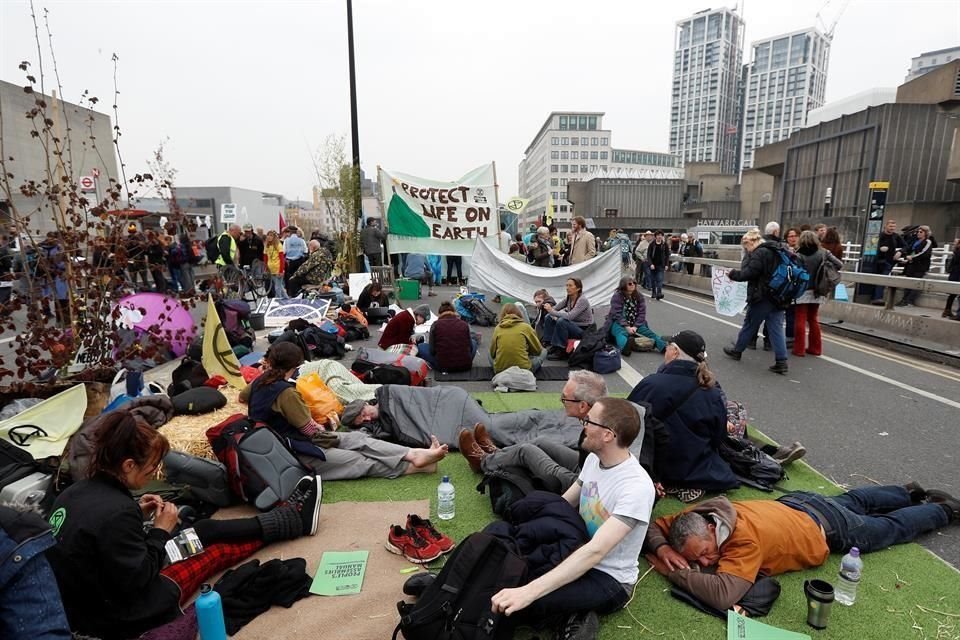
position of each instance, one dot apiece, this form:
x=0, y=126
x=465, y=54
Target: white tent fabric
x=497, y=272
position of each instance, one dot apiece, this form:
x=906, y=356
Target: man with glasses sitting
x=614, y=496
x=551, y=464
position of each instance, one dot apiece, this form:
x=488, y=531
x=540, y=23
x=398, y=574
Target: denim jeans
x=556, y=331
x=884, y=269
x=645, y=272
x=277, y=290
x=759, y=313
x=656, y=282
x=869, y=518
x=426, y=353
x=593, y=591
x=620, y=336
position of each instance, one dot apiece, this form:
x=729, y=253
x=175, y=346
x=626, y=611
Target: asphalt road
x=863, y=413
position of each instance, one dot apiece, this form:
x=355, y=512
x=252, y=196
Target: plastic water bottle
x=851, y=566
x=210, y=615
x=446, y=507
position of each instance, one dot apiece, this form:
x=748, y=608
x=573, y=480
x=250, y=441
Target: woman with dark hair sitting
x=627, y=318
x=569, y=319
x=450, y=346
x=372, y=296
x=109, y=564
x=273, y=400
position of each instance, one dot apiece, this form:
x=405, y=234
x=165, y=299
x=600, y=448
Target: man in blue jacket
x=30, y=605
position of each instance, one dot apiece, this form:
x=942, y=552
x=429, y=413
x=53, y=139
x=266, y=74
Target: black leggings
x=210, y=531
x=454, y=262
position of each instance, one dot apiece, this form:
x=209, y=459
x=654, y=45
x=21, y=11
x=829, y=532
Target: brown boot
x=471, y=450
x=483, y=438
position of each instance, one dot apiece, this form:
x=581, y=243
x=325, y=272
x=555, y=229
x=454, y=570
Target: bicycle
x=251, y=283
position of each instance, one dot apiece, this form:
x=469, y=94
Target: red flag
x=282, y=223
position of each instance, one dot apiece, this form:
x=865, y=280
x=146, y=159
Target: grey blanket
x=409, y=415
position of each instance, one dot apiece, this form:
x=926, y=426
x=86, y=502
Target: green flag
x=403, y=221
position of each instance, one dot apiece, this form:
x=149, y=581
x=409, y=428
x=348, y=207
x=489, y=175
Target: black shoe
x=417, y=583
x=935, y=496
x=917, y=493
x=731, y=352
x=779, y=367
x=580, y=626
x=306, y=499
x=557, y=355
x=627, y=348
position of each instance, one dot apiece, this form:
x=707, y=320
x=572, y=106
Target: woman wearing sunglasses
x=627, y=318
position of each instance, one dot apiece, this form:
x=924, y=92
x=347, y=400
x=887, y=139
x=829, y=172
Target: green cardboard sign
x=340, y=573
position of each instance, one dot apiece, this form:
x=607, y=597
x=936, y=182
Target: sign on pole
x=88, y=183
x=228, y=213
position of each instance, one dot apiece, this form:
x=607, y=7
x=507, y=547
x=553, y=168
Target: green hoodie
x=514, y=341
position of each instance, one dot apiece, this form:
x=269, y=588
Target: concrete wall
x=756, y=190
x=29, y=159
x=934, y=87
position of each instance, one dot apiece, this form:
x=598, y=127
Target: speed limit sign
x=88, y=183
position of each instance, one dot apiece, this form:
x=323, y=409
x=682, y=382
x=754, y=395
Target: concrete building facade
x=823, y=173
x=569, y=147
x=930, y=60
x=785, y=79
x=31, y=162
x=705, y=100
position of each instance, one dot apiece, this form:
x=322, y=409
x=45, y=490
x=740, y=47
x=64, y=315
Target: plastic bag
x=16, y=406
x=318, y=397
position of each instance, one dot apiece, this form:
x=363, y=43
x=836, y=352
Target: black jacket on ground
x=107, y=567
x=544, y=528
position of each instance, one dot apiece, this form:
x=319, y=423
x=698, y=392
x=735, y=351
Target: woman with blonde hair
x=514, y=342
x=273, y=257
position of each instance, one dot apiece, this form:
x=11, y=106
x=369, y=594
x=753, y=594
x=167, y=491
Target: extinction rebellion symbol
x=21, y=435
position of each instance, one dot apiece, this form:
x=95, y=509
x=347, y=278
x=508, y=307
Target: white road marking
x=630, y=375
x=926, y=367
x=840, y=363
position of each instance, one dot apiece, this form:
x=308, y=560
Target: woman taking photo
x=273, y=400
x=110, y=566
x=569, y=319
x=273, y=257
x=541, y=250
x=627, y=318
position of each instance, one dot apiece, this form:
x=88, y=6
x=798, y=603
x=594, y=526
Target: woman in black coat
x=110, y=566
x=954, y=276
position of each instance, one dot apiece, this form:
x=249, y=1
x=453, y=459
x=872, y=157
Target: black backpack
x=212, y=249
x=752, y=466
x=353, y=329
x=506, y=485
x=456, y=606
x=482, y=315
x=388, y=374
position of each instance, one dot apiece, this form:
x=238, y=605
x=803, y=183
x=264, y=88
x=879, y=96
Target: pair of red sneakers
x=419, y=542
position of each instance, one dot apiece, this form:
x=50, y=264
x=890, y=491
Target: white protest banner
x=440, y=218
x=729, y=297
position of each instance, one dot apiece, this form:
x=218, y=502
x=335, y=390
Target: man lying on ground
x=553, y=465
x=794, y=532
x=615, y=497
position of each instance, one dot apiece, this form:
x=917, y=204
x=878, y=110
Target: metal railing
x=938, y=259
x=890, y=283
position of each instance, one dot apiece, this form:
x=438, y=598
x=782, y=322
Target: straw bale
x=188, y=433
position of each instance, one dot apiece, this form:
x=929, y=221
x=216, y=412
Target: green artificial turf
x=895, y=584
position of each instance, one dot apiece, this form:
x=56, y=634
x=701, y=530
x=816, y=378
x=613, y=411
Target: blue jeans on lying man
x=869, y=518
x=426, y=353
x=556, y=331
x=620, y=336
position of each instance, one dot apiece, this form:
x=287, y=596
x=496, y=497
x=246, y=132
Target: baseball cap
x=691, y=344
x=248, y=227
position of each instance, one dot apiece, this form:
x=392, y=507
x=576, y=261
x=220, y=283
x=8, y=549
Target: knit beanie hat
x=352, y=411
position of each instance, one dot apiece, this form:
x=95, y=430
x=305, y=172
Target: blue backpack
x=789, y=278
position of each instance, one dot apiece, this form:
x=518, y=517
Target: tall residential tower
x=785, y=79
x=705, y=109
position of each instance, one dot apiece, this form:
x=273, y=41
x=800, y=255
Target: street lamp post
x=354, y=127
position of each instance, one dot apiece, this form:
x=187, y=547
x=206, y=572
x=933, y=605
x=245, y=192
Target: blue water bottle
x=210, y=615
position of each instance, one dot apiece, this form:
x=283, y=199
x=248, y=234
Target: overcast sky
x=245, y=89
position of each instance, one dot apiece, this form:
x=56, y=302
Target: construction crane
x=840, y=6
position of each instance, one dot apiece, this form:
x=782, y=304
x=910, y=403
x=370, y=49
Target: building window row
x=583, y=123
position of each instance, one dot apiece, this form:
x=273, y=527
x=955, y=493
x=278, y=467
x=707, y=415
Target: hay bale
x=188, y=433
